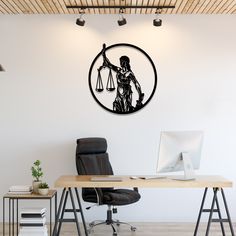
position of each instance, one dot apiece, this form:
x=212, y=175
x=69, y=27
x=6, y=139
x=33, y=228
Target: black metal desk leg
x=220, y=217
x=17, y=216
x=74, y=210
x=227, y=212
x=62, y=213
x=200, y=212
x=215, y=190
x=3, y=220
x=55, y=206
x=50, y=217
x=58, y=213
x=13, y=216
x=81, y=212
x=9, y=216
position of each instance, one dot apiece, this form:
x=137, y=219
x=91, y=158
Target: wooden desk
x=217, y=183
x=201, y=181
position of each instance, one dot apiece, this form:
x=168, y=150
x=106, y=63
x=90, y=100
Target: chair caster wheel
x=118, y=223
x=115, y=234
x=91, y=225
x=133, y=228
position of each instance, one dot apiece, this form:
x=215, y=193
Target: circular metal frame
x=123, y=45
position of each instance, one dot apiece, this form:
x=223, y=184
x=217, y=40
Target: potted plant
x=43, y=188
x=37, y=173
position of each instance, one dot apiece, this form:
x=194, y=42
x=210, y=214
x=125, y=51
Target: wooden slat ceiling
x=59, y=6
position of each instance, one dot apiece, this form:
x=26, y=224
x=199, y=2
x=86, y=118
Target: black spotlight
x=1, y=68
x=157, y=22
x=122, y=20
x=80, y=21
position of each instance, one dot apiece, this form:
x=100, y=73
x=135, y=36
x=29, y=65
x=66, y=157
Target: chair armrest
x=99, y=196
x=136, y=189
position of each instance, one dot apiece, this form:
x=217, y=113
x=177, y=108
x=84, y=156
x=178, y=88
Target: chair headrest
x=91, y=145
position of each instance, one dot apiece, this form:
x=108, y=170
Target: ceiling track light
x=1, y=68
x=80, y=21
x=157, y=21
x=122, y=20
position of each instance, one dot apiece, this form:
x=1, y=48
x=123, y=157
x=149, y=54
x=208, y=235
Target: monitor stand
x=188, y=167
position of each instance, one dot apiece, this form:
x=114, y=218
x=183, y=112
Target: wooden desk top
x=201, y=181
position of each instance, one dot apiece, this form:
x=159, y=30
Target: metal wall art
x=122, y=78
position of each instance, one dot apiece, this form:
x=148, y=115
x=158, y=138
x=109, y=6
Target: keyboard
x=106, y=179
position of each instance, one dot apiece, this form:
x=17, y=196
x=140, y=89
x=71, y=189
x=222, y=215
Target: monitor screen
x=174, y=145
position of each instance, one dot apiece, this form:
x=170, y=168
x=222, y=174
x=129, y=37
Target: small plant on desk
x=43, y=188
x=37, y=173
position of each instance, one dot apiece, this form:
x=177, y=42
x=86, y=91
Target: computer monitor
x=180, y=151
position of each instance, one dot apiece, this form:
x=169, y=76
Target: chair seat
x=115, y=197
x=119, y=197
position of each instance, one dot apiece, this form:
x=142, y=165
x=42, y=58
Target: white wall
x=46, y=103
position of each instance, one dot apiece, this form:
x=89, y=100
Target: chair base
x=111, y=222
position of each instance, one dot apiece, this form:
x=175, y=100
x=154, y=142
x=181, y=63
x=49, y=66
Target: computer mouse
x=133, y=177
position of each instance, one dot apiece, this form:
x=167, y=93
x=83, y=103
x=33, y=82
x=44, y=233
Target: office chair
x=92, y=159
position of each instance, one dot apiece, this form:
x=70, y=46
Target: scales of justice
x=110, y=81
x=124, y=77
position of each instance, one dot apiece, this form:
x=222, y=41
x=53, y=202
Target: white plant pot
x=36, y=186
x=43, y=191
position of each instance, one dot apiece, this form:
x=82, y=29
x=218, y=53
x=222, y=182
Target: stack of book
x=33, y=222
x=20, y=189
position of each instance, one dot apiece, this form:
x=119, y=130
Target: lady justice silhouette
x=125, y=81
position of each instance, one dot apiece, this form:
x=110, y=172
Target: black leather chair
x=92, y=159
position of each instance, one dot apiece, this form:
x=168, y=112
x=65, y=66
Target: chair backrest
x=92, y=159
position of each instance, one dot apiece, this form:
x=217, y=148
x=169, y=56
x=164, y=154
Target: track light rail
x=117, y=7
